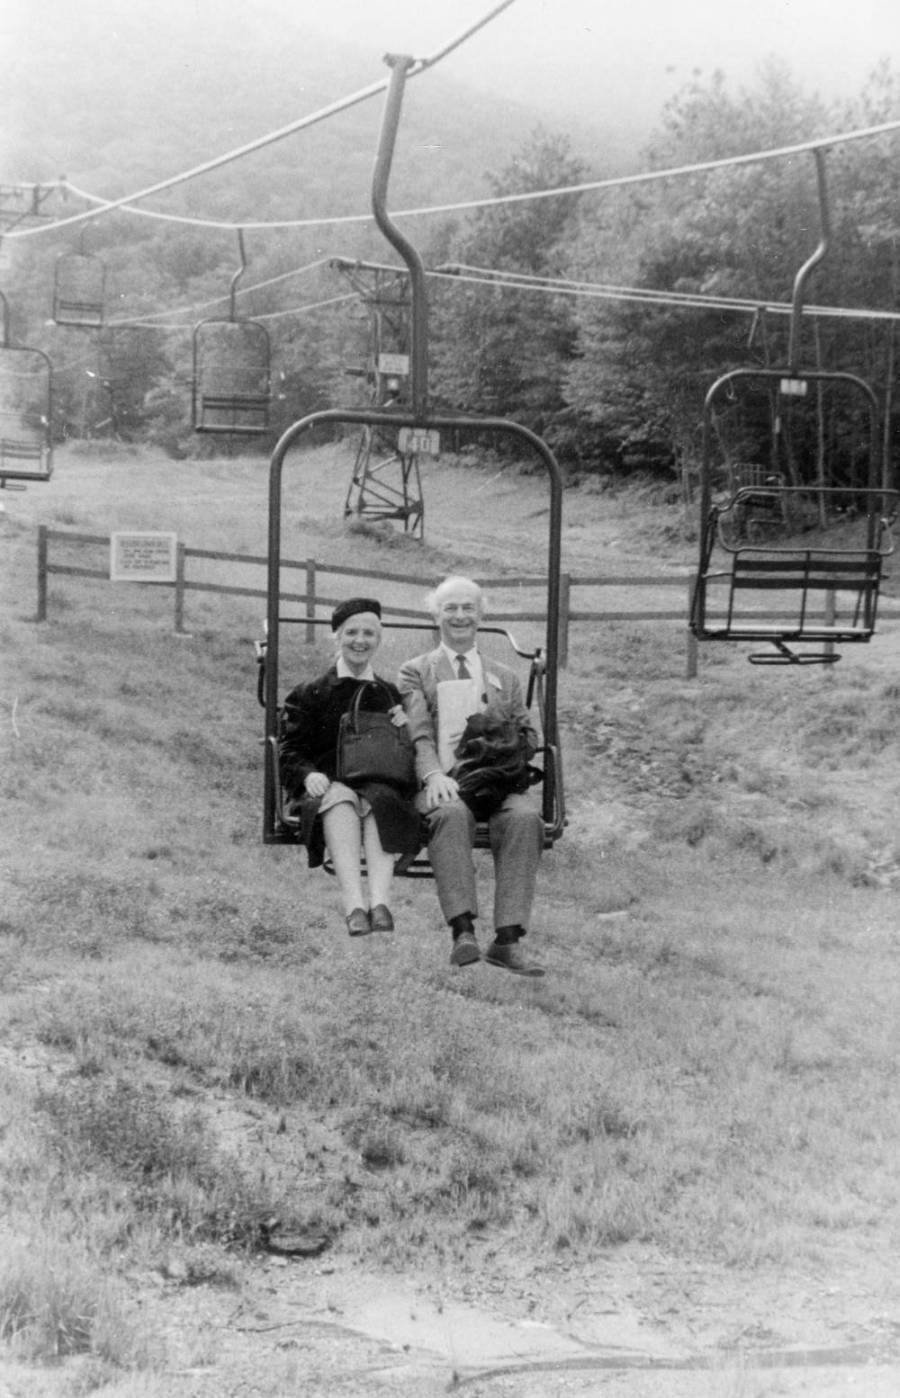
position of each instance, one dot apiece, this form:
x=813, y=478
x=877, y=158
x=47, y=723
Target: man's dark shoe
x=380, y=919
x=358, y=924
x=465, y=950
x=508, y=956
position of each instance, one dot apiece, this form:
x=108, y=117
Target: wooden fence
x=314, y=599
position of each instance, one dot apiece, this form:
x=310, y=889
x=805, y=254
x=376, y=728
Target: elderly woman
x=346, y=819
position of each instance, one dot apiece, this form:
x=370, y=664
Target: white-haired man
x=441, y=688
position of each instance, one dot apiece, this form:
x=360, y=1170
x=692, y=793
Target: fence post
x=830, y=615
x=179, y=588
x=565, y=602
x=692, y=653
x=42, y=573
x=310, y=599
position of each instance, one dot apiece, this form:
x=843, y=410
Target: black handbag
x=371, y=747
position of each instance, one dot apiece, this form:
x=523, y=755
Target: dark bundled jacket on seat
x=492, y=763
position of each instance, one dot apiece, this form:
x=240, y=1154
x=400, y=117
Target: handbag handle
x=356, y=701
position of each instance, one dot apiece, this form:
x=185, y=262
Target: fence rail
x=313, y=599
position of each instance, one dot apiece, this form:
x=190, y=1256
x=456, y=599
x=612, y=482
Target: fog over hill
x=123, y=97
x=119, y=96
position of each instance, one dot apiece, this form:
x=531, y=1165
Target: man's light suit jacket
x=418, y=681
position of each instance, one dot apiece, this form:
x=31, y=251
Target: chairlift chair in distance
x=79, y=290
x=792, y=545
x=232, y=370
x=26, y=398
x=420, y=430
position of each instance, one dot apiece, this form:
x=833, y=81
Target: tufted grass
x=708, y=1068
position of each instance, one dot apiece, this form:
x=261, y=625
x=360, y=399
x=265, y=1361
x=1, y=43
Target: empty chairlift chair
x=79, y=290
x=26, y=452
x=792, y=560
x=232, y=371
x=792, y=542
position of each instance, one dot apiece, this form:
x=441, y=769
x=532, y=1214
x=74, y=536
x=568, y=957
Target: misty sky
x=596, y=58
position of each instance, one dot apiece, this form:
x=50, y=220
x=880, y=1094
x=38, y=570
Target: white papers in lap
x=454, y=705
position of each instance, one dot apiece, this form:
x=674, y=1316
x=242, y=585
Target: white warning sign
x=142, y=557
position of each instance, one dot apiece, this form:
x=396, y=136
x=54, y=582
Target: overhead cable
x=149, y=323
x=341, y=105
x=499, y=200
x=696, y=300
x=650, y=176
x=225, y=296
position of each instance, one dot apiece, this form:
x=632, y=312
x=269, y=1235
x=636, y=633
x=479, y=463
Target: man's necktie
x=462, y=668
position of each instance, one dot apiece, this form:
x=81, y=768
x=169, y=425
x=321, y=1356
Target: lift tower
x=386, y=481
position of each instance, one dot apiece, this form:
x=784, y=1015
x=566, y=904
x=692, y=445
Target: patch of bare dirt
x=303, y=1319
x=631, y=1324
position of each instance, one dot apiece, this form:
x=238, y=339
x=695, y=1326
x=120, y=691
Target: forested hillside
x=614, y=379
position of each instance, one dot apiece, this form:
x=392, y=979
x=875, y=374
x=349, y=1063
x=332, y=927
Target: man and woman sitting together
x=434, y=695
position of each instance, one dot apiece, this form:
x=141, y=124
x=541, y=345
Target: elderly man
x=440, y=690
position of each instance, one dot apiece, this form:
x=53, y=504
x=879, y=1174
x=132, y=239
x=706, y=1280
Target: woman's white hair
x=436, y=596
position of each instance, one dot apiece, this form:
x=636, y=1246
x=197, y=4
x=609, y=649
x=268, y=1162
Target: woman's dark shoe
x=358, y=924
x=380, y=919
x=508, y=956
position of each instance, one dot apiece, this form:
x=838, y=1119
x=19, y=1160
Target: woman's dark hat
x=355, y=604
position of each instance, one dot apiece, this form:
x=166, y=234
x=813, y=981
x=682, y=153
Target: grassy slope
x=710, y=1073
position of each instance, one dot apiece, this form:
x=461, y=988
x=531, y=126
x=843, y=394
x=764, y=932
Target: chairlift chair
x=792, y=551
x=231, y=377
x=420, y=429
x=232, y=370
x=79, y=290
x=769, y=569
x=26, y=378
x=282, y=821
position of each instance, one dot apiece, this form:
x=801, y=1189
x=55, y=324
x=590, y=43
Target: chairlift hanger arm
x=812, y=261
x=232, y=292
x=400, y=64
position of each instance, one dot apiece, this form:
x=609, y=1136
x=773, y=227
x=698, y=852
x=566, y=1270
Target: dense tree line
x=615, y=385
x=618, y=385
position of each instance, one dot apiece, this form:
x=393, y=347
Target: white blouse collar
x=345, y=673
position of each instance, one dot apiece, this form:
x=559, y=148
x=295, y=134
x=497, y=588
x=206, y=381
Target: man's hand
x=316, y=784
x=440, y=790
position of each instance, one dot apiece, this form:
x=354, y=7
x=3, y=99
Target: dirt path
x=631, y=1323
x=633, y=1328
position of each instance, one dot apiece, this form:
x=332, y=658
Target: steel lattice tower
x=386, y=481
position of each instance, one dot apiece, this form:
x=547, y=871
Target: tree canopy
x=518, y=323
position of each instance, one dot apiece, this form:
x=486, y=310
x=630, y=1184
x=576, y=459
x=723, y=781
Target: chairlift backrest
x=26, y=452
x=79, y=290
x=792, y=557
x=232, y=376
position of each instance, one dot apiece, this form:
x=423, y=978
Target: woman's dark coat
x=309, y=737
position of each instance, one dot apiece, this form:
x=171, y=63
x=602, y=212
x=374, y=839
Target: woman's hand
x=398, y=716
x=440, y=790
x=316, y=784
